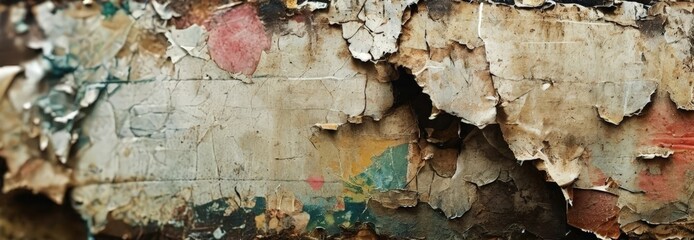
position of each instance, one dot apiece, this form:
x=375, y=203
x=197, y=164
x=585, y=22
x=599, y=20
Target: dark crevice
x=526, y=207
x=273, y=13
x=29, y=215
x=3, y=170
x=508, y=209
x=406, y=91
x=15, y=54
x=405, y=88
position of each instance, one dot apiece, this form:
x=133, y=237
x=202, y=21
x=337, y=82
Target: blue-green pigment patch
x=387, y=171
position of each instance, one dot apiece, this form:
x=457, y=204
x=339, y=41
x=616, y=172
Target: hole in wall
x=26, y=215
x=406, y=91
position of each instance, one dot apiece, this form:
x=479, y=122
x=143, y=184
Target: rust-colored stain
x=410, y=117
x=194, y=12
x=237, y=39
x=595, y=211
x=669, y=128
x=153, y=43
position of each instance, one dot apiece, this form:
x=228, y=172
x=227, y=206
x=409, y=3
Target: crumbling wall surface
x=365, y=118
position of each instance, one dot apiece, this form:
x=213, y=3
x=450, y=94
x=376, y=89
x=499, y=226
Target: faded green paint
x=213, y=215
x=215, y=211
x=331, y=220
x=387, y=171
x=109, y=9
x=61, y=65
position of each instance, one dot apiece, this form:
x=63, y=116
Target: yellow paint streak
x=357, y=154
x=329, y=219
x=291, y=4
x=355, y=157
x=358, y=196
x=260, y=222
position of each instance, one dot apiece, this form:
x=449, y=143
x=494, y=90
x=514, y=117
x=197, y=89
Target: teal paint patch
x=126, y=7
x=322, y=202
x=387, y=171
x=214, y=211
x=108, y=9
x=331, y=221
x=61, y=65
x=240, y=222
x=211, y=210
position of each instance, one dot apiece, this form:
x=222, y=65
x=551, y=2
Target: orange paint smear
x=594, y=211
x=671, y=129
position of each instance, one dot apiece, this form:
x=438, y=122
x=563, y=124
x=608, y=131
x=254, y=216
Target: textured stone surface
x=435, y=119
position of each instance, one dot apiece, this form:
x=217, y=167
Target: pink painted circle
x=237, y=39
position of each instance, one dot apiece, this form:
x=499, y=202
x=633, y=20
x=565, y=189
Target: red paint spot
x=237, y=39
x=594, y=211
x=316, y=182
x=340, y=206
x=299, y=18
x=672, y=129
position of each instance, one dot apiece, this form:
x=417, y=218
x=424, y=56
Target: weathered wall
x=436, y=119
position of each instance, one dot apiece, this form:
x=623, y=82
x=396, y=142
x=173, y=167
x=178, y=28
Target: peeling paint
x=595, y=211
x=434, y=119
x=237, y=38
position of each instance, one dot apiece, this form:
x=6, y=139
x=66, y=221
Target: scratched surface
x=434, y=119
